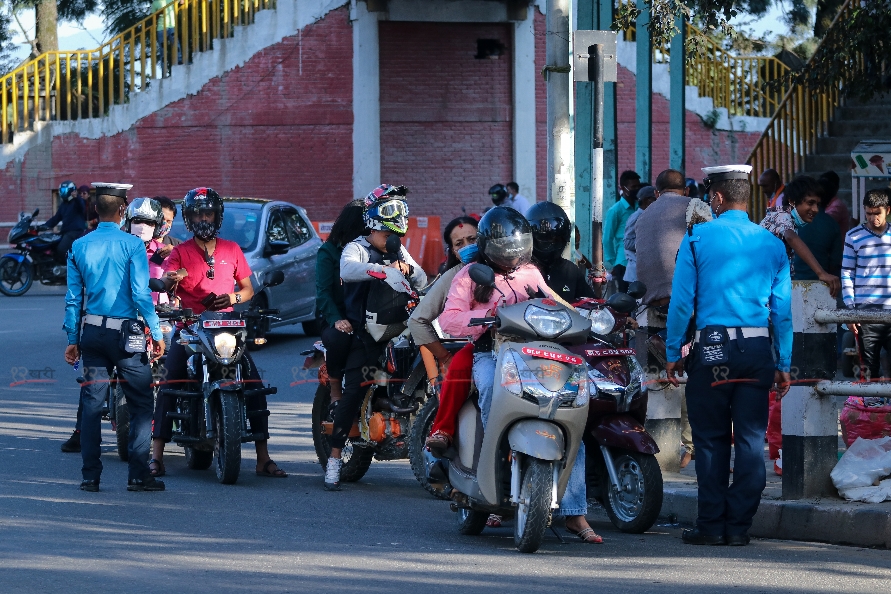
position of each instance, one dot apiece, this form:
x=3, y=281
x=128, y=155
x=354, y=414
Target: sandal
x=494, y=521
x=587, y=535
x=159, y=471
x=277, y=473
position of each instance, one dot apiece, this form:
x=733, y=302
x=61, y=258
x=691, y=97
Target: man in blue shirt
x=107, y=286
x=735, y=275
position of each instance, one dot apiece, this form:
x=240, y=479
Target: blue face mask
x=468, y=253
x=799, y=222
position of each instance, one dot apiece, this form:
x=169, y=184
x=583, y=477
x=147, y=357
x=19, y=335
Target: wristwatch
x=238, y=298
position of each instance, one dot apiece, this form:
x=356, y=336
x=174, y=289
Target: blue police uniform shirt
x=743, y=280
x=112, y=267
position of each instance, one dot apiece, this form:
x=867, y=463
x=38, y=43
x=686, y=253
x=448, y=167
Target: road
x=383, y=534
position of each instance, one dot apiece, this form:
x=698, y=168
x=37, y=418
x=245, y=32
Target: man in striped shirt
x=866, y=275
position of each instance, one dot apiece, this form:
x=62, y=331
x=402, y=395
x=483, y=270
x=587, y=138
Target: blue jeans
x=575, y=498
x=101, y=353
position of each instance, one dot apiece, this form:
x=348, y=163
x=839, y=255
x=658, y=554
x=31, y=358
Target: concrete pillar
x=810, y=421
x=678, y=104
x=366, y=101
x=644, y=94
x=663, y=404
x=610, y=117
x=561, y=180
x=524, y=104
x=583, y=110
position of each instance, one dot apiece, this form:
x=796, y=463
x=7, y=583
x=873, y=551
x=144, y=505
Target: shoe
x=695, y=537
x=332, y=474
x=72, y=446
x=438, y=443
x=147, y=484
x=737, y=540
x=777, y=469
x=91, y=486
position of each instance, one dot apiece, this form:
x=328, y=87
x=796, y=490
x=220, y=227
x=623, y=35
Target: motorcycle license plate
x=224, y=324
x=609, y=352
x=552, y=356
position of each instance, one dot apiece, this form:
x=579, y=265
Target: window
x=298, y=229
x=275, y=228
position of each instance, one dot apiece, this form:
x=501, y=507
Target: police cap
x=110, y=189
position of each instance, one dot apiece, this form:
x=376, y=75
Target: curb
x=832, y=521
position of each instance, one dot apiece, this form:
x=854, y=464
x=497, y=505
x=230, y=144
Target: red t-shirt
x=230, y=266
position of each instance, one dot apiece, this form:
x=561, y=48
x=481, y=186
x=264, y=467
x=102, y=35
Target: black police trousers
x=729, y=404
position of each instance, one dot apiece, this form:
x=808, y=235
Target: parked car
x=273, y=235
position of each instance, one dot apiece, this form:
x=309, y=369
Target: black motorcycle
x=34, y=257
x=211, y=418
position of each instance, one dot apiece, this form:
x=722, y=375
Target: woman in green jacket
x=336, y=329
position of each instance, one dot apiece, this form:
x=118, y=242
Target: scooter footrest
x=178, y=416
x=185, y=440
x=257, y=413
x=260, y=392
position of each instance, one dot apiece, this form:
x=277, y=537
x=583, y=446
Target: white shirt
x=518, y=202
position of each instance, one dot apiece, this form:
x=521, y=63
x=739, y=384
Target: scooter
x=521, y=463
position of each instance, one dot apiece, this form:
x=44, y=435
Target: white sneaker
x=332, y=474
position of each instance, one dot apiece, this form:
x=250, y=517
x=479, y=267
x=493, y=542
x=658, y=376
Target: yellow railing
x=75, y=85
x=802, y=117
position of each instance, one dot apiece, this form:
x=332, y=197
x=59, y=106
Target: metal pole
x=584, y=181
x=678, y=105
x=644, y=93
x=610, y=117
x=560, y=166
x=597, y=155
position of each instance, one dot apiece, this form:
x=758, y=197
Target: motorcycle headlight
x=547, y=324
x=510, y=374
x=602, y=321
x=224, y=343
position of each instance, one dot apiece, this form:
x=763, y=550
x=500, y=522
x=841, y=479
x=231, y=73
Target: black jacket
x=566, y=279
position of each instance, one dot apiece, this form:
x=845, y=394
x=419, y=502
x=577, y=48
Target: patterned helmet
x=386, y=209
x=202, y=199
x=67, y=190
x=145, y=210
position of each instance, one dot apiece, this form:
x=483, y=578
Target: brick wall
x=445, y=116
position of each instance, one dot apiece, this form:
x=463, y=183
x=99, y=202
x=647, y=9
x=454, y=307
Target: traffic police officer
x=107, y=285
x=733, y=276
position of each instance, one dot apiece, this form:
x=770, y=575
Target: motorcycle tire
x=122, y=423
x=356, y=459
x=227, y=448
x=420, y=429
x=198, y=459
x=471, y=522
x=9, y=279
x=635, y=509
x=534, y=511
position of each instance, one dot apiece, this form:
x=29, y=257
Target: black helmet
x=498, y=193
x=203, y=199
x=67, y=190
x=551, y=230
x=504, y=238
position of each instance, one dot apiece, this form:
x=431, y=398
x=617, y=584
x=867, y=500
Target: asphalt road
x=383, y=534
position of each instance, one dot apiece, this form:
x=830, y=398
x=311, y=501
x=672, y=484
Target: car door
x=304, y=247
x=281, y=297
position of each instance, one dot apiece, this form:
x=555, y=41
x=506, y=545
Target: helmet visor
x=510, y=252
x=392, y=209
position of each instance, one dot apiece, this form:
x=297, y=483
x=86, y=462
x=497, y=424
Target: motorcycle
x=34, y=258
x=521, y=463
x=622, y=471
x=212, y=421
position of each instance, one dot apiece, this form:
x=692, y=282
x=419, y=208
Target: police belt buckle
x=714, y=345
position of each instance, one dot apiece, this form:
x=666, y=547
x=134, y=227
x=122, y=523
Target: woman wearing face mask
x=144, y=219
x=798, y=210
x=460, y=239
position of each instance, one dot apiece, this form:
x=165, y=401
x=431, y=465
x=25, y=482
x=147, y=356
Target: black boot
x=73, y=444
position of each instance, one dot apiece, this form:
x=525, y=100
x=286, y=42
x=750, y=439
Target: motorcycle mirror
x=274, y=278
x=35, y=213
x=482, y=275
x=637, y=289
x=622, y=302
x=157, y=285
x=394, y=245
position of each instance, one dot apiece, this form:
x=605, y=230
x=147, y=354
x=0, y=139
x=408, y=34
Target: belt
x=746, y=332
x=104, y=321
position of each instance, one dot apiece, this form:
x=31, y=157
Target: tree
x=47, y=14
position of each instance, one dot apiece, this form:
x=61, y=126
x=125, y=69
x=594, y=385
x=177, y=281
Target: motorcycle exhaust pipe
x=610, y=467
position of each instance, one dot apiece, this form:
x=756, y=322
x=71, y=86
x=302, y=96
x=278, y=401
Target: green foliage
x=120, y=15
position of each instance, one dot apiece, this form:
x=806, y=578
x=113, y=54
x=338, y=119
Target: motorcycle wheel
x=122, y=423
x=12, y=284
x=198, y=459
x=228, y=443
x=534, y=510
x=635, y=508
x=420, y=429
x=471, y=522
x=356, y=459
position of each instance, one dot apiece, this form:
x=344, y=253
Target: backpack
x=389, y=305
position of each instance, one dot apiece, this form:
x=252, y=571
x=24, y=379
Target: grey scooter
x=536, y=421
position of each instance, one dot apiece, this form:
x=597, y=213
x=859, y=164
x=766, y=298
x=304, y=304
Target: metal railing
x=801, y=118
x=74, y=85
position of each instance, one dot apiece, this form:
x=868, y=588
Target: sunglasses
x=208, y=259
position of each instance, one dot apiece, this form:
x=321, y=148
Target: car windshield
x=240, y=224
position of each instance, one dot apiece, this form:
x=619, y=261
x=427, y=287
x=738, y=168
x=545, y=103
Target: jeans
x=730, y=413
x=171, y=39
x=575, y=498
x=101, y=353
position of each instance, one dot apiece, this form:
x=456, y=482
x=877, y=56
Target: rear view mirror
x=394, y=245
x=637, y=289
x=482, y=275
x=622, y=302
x=36, y=212
x=278, y=246
x=157, y=285
x=274, y=278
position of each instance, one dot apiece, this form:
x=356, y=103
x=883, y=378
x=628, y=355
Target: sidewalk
x=831, y=520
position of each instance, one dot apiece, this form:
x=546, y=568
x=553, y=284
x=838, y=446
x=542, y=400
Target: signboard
x=871, y=158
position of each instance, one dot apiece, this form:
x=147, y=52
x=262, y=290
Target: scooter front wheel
x=534, y=510
x=634, y=507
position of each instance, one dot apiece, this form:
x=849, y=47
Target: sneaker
x=72, y=446
x=147, y=484
x=438, y=443
x=332, y=474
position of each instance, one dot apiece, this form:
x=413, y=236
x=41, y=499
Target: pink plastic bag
x=868, y=422
x=775, y=426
